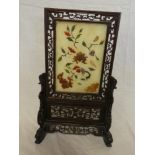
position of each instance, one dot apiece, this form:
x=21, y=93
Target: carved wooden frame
x=76, y=113
x=112, y=21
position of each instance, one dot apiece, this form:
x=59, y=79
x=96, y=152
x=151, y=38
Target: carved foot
x=40, y=135
x=107, y=137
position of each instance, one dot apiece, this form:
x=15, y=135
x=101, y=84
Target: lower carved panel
x=73, y=112
x=75, y=129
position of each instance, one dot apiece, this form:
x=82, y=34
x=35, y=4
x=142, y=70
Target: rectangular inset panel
x=79, y=56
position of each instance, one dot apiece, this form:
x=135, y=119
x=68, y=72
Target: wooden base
x=81, y=128
x=41, y=134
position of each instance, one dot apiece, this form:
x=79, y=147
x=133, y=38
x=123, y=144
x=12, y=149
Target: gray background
x=32, y=64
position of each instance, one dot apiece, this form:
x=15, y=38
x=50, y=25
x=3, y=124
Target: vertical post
x=41, y=133
x=107, y=136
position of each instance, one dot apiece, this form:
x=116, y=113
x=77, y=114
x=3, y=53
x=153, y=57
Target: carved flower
x=80, y=57
x=67, y=33
x=77, y=69
x=65, y=83
x=92, y=88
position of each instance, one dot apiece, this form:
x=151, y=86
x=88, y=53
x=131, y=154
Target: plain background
x=32, y=64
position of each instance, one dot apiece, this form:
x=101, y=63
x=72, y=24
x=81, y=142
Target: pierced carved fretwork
x=74, y=112
x=76, y=129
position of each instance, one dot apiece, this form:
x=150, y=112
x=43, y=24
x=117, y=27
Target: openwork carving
x=75, y=112
x=75, y=129
x=110, y=18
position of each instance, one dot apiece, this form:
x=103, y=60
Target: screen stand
x=73, y=128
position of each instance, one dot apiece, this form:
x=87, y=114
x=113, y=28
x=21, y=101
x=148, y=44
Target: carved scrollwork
x=74, y=112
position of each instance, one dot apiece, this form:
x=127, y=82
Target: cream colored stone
x=89, y=33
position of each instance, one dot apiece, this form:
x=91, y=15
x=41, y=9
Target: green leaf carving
x=68, y=64
x=96, y=57
x=84, y=44
x=67, y=71
x=69, y=38
x=76, y=76
x=91, y=69
x=60, y=58
x=80, y=30
x=73, y=28
x=68, y=28
x=96, y=39
x=79, y=83
x=101, y=42
x=63, y=51
x=82, y=79
x=78, y=36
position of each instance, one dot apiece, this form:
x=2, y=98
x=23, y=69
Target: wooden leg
x=40, y=135
x=107, y=137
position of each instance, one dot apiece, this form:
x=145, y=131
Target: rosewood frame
x=77, y=113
